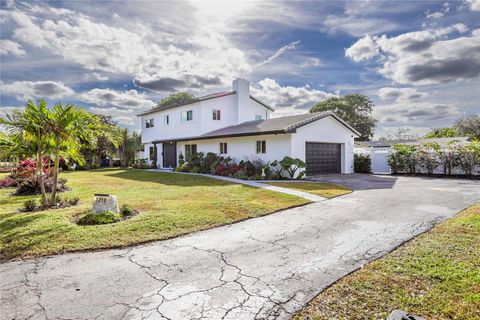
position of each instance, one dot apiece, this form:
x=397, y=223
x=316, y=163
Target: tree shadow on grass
x=167, y=178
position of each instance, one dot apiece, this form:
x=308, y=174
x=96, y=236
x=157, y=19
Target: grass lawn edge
x=437, y=222
x=146, y=242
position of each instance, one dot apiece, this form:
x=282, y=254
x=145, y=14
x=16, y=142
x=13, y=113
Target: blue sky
x=419, y=61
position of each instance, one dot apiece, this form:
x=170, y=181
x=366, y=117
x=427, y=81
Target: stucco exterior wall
x=242, y=148
x=202, y=120
x=325, y=130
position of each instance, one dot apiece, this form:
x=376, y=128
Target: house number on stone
x=104, y=203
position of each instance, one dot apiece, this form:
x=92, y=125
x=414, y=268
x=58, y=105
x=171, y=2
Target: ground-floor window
x=223, y=148
x=189, y=150
x=152, y=153
x=261, y=146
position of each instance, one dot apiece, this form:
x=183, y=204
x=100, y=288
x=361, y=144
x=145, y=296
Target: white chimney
x=242, y=99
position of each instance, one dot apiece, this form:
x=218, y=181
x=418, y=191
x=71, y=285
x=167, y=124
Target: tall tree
x=443, y=133
x=28, y=125
x=176, y=98
x=469, y=126
x=356, y=109
x=131, y=143
x=69, y=126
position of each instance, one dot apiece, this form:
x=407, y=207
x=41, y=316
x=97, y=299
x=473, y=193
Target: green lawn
x=326, y=190
x=169, y=205
x=436, y=275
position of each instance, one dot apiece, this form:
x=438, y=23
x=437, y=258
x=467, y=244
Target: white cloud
x=25, y=90
x=131, y=99
x=291, y=46
x=422, y=57
x=133, y=48
x=363, y=49
x=420, y=114
x=474, y=5
x=358, y=26
x=310, y=62
x=438, y=14
x=288, y=99
x=401, y=94
x=8, y=47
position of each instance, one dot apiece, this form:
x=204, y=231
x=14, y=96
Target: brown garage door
x=323, y=158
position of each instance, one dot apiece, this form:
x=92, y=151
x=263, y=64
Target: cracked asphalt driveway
x=263, y=268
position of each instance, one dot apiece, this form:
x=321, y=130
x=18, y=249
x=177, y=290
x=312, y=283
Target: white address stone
x=105, y=202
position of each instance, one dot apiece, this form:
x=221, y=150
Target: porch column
x=155, y=155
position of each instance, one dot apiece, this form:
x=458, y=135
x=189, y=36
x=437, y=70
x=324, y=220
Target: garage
x=323, y=158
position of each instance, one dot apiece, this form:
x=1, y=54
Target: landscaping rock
x=105, y=202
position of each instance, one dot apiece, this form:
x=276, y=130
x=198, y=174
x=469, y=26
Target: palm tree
x=69, y=127
x=29, y=126
x=131, y=143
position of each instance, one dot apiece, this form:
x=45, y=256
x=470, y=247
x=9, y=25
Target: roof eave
x=184, y=104
x=262, y=103
x=245, y=134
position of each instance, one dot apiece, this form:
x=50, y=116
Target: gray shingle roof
x=198, y=99
x=270, y=126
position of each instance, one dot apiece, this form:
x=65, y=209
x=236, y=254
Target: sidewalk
x=252, y=183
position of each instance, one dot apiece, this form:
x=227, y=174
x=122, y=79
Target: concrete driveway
x=267, y=267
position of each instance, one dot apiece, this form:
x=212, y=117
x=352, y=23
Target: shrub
x=8, y=182
x=468, y=157
x=362, y=163
x=181, y=159
x=221, y=170
x=248, y=167
x=276, y=171
x=291, y=166
x=73, y=201
x=185, y=167
x=209, y=162
x=100, y=218
x=127, y=211
x=233, y=169
x=428, y=156
x=240, y=174
x=140, y=164
x=30, y=205
x=404, y=158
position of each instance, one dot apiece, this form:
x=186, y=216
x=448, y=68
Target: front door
x=169, y=154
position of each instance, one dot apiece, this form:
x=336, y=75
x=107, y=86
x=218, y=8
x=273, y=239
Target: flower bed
x=249, y=169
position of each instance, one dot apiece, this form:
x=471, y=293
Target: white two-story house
x=239, y=125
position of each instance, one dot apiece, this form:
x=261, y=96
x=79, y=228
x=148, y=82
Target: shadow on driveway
x=358, y=181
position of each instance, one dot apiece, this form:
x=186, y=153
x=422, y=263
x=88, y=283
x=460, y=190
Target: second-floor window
x=223, y=148
x=187, y=116
x=167, y=120
x=149, y=123
x=189, y=150
x=215, y=114
x=261, y=146
x=258, y=117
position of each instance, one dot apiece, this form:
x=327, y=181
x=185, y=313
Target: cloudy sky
x=418, y=61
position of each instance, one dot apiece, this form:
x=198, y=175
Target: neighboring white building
x=238, y=125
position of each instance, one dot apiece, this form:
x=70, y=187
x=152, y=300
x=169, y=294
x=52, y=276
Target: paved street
x=267, y=267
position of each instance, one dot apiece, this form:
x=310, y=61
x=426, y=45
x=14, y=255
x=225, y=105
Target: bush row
x=252, y=169
x=430, y=156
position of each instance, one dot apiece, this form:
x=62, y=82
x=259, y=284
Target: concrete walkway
x=252, y=183
x=262, y=268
